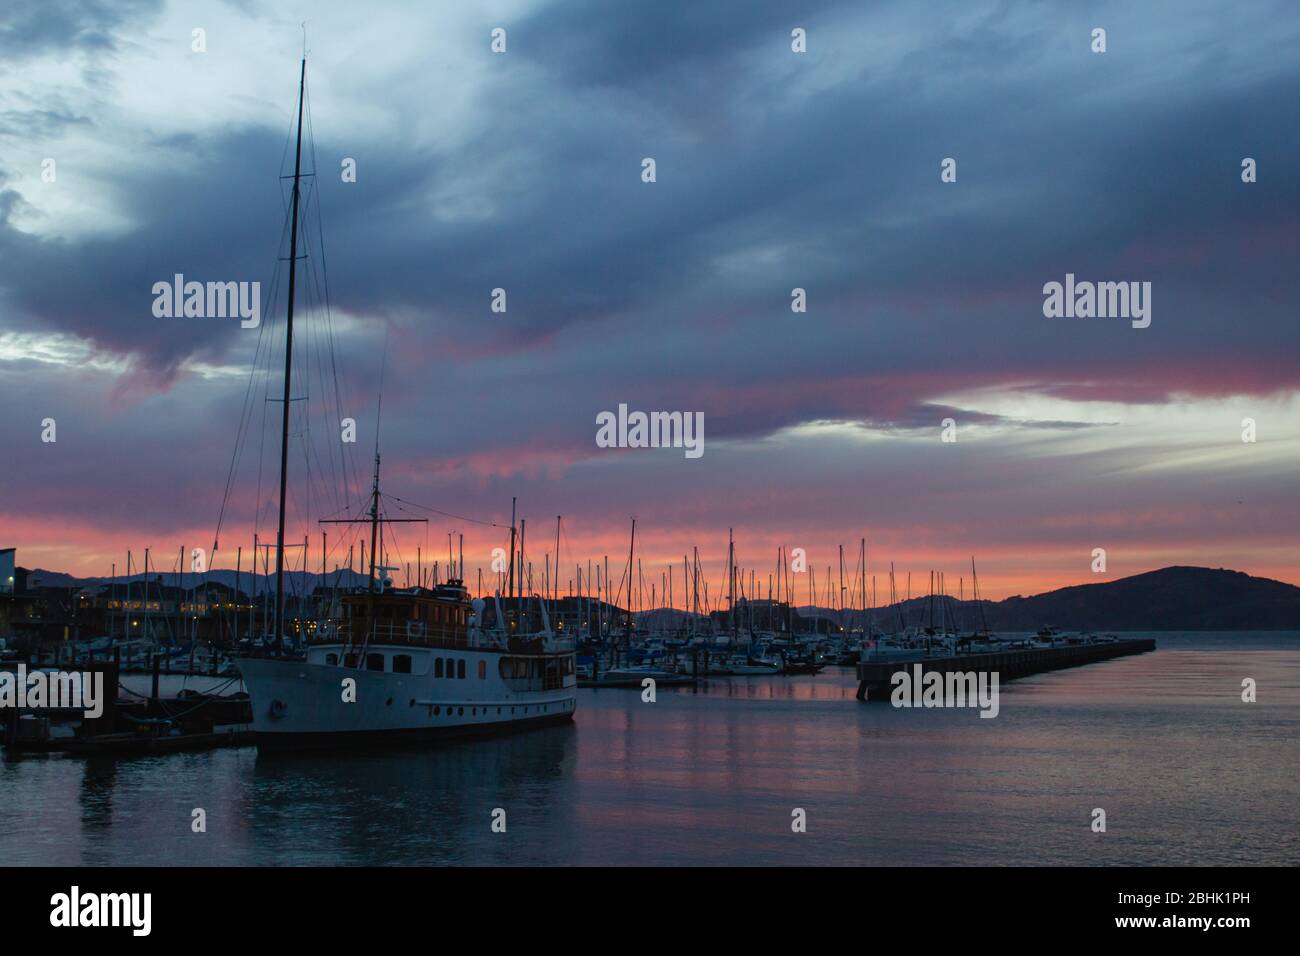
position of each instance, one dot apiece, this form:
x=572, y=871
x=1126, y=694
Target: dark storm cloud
x=635, y=44
x=29, y=27
x=1061, y=168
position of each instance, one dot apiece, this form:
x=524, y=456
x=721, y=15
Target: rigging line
x=347, y=456
x=246, y=408
x=333, y=479
x=312, y=347
x=447, y=514
x=266, y=376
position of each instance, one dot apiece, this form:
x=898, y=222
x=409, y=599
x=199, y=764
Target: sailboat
x=400, y=665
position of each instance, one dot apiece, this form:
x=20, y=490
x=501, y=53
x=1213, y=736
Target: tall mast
x=288, y=372
x=731, y=582
x=510, y=573
x=631, y=568
x=374, y=526
x=863, y=594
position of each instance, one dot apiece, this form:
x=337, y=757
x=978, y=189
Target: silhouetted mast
x=288, y=373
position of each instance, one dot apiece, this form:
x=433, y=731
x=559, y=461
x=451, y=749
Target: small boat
x=635, y=676
x=885, y=650
x=747, y=666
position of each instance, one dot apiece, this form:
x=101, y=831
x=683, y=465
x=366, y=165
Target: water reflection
x=1186, y=772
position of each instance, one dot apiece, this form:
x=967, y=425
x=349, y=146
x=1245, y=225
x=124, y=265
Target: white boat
x=743, y=666
x=418, y=672
x=637, y=672
x=883, y=650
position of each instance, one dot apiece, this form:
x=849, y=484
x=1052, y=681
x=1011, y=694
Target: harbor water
x=1185, y=771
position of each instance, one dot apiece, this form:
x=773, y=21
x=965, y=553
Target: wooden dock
x=875, y=680
x=134, y=744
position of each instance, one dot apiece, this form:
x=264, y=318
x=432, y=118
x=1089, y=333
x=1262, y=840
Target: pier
x=875, y=679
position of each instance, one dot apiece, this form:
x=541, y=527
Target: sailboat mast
x=288, y=372
x=631, y=550
x=374, y=526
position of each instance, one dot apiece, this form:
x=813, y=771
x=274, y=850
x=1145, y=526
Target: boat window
x=460, y=668
x=568, y=665
x=350, y=660
x=401, y=663
x=482, y=670
x=437, y=667
x=374, y=662
x=331, y=659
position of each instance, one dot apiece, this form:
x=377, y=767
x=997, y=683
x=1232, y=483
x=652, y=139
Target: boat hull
x=363, y=740
x=299, y=705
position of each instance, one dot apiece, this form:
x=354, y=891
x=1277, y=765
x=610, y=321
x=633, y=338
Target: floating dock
x=144, y=725
x=875, y=680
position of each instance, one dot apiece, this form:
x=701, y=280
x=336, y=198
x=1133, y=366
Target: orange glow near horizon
x=1004, y=570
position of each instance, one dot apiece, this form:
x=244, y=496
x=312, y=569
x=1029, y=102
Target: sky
x=522, y=170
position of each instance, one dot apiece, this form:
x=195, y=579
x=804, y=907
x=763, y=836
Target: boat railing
x=420, y=634
x=416, y=633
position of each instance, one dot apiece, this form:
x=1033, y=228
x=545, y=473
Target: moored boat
x=409, y=667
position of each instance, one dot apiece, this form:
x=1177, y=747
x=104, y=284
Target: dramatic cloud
x=775, y=170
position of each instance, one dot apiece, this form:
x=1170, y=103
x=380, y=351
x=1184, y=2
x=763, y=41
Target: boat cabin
x=422, y=617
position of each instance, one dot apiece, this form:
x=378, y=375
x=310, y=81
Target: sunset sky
x=522, y=170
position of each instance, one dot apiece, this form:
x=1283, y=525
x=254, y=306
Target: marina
x=358, y=514
x=708, y=775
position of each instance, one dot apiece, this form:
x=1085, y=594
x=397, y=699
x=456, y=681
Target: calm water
x=1186, y=772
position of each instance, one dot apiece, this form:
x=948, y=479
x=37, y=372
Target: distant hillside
x=1178, y=598
x=294, y=580
x=1171, y=599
